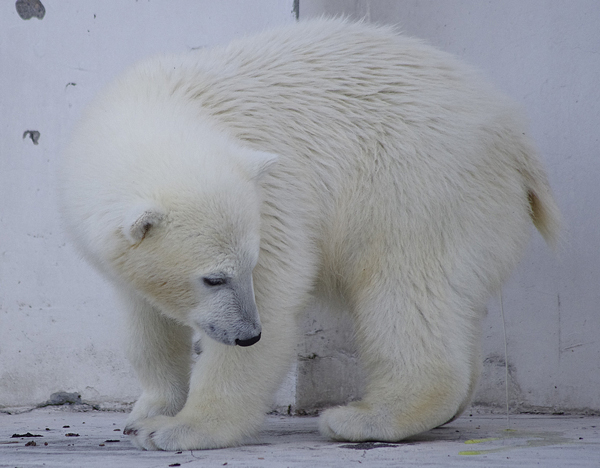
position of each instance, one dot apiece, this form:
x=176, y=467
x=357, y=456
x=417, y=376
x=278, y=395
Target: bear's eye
x=214, y=280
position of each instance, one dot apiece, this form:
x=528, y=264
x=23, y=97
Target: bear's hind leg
x=475, y=368
x=419, y=365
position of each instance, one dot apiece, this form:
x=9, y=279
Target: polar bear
x=222, y=189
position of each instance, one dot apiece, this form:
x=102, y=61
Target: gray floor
x=472, y=440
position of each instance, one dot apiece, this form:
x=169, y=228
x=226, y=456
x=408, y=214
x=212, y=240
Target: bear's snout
x=248, y=342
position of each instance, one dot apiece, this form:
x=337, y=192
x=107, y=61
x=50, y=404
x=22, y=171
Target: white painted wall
x=59, y=327
x=546, y=55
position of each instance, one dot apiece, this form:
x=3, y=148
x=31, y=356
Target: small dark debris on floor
x=29, y=434
x=368, y=445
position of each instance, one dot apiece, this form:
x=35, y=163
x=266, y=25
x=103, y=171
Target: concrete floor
x=473, y=440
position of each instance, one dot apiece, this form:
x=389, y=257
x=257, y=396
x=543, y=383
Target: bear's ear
x=258, y=163
x=140, y=220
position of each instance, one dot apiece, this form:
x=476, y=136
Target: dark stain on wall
x=29, y=8
x=33, y=134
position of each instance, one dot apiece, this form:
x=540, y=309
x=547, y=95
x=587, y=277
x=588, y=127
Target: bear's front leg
x=231, y=389
x=159, y=350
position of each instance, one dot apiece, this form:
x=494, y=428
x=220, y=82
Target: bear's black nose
x=248, y=342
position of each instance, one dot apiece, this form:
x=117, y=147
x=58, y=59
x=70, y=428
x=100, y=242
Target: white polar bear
x=223, y=188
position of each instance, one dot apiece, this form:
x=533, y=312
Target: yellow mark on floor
x=479, y=441
x=512, y=439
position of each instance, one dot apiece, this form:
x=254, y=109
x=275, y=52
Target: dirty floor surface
x=61, y=437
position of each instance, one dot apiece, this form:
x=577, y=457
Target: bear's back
x=309, y=85
x=341, y=101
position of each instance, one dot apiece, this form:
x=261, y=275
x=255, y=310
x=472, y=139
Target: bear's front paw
x=177, y=433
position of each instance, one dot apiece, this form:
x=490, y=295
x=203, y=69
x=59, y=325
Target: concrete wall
x=59, y=327
x=546, y=55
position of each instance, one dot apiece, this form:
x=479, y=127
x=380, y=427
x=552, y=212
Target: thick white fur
x=321, y=158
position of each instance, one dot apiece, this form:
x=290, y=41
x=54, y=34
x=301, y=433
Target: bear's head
x=167, y=205
x=191, y=251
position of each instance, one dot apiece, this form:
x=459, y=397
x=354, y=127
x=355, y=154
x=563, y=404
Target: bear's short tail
x=544, y=211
